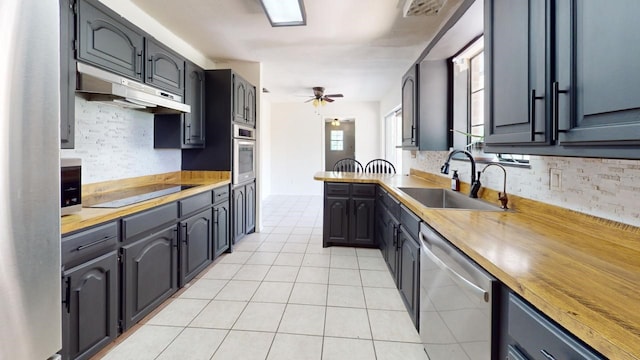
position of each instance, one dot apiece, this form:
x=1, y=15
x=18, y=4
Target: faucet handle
x=503, y=200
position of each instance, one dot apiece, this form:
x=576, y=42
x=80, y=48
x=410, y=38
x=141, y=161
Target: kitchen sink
x=447, y=199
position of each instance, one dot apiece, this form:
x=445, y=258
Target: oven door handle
x=455, y=276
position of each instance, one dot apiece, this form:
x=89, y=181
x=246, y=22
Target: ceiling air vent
x=422, y=7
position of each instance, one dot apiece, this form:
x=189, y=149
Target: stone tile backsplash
x=607, y=188
x=116, y=143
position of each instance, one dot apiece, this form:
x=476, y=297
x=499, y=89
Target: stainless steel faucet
x=502, y=196
x=475, y=182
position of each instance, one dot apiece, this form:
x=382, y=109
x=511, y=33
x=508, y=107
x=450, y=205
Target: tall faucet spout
x=475, y=183
x=503, y=195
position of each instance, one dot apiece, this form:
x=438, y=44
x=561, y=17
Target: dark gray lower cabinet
x=409, y=273
x=349, y=213
x=90, y=309
x=238, y=220
x=196, y=243
x=149, y=273
x=250, y=208
x=221, y=233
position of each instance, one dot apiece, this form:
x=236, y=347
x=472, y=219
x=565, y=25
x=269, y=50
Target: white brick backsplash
x=607, y=188
x=116, y=143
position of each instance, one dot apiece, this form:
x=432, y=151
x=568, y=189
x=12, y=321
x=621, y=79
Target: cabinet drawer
x=89, y=244
x=194, y=203
x=366, y=190
x=337, y=189
x=410, y=221
x=220, y=194
x=148, y=220
x=536, y=335
x=392, y=204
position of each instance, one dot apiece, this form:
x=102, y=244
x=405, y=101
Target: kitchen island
x=583, y=272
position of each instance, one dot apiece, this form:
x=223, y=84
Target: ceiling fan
x=319, y=97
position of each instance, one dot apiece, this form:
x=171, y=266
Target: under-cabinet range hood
x=102, y=86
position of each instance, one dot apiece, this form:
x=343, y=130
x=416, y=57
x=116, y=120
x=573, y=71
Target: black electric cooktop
x=141, y=197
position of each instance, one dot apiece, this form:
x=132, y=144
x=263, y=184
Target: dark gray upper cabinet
x=164, y=69
x=244, y=101
x=251, y=106
x=410, y=108
x=196, y=243
x=516, y=95
x=108, y=41
x=433, y=111
x=67, y=76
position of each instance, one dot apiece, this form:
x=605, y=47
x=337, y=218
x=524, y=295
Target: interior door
x=339, y=142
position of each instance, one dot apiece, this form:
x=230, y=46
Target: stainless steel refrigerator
x=30, y=308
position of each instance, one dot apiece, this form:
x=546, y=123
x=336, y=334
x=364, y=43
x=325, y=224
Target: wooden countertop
x=582, y=271
x=117, y=189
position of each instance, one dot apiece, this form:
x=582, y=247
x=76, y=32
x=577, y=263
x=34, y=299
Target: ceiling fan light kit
x=285, y=12
x=319, y=98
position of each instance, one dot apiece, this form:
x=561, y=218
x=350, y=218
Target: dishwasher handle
x=455, y=276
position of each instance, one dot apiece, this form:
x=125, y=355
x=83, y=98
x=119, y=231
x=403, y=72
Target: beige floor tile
x=344, y=277
x=377, y=278
x=362, y=252
x=288, y=259
x=308, y=294
x=343, y=251
x=298, y=239
x=282, y=273
x=294, y=248
x=203, y=289
x=179, y=312
x=236, y=257
x=275, y=292
x=260, y=317
x=275, y=237
x=348, y=349
x=386, y=350
x=315, y=247
x=392, y=326
x=245, y=345
x=146, y=343
x=383, y=299
x=303, y=319
x=238, y=290
x=194, y=344
x=249, y=246
x=262, y=258
x=347, y=322
x=283, y=229
x=346, y=296
x=219, y=314
x=314, y=275
x=371, y=263
x=344, y=262
x=252, y=272
x=316, y=260
x=271, y=247
x=303, y=230
x=222, y=271
x=295, y=347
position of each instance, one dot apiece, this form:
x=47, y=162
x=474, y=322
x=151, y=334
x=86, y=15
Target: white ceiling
x=359, y=48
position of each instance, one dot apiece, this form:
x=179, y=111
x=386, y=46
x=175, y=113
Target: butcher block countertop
x=582, y=271
x=118, y=189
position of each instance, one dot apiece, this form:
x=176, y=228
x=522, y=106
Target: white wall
x=297, y=141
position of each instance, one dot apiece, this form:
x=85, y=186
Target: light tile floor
x=280, y=295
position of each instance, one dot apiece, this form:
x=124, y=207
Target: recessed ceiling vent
x=422, y=7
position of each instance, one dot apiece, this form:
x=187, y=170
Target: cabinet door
x=221, y=234
x=250, y=209
x=239, y=99
x=391, y=235
x=150, y=273
x=238, y=220
x=164, y=69
x=336, y=220
x=595, y=43
x=410, y=108
x=516, y=100
x=108, y=42
x=362, y=221
x=251, y=105
x=409, y=273
x=196, y=243
x=193, y=131
x=67, y=76
x=90, y=307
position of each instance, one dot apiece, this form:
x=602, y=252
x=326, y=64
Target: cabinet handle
x=188, y=137
x=186, y=234
x=395, y=236
x=104, y=239
x=547, y=355
x=139, y=63
x=150, y=68
x=413, y=131
x=354, y=207
x=555, y=117
x=532, y=114
x=216, y=216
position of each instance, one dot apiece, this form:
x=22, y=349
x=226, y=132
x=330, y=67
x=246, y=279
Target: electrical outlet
x=555, y=179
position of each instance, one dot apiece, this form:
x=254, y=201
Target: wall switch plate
x=555, y=179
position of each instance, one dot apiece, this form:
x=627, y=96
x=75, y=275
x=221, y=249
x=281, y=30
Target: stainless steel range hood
x=102, y=86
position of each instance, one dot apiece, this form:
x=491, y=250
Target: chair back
x=379, y=166
x=348, y=165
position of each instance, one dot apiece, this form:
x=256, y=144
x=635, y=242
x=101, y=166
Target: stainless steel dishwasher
x=456, y=297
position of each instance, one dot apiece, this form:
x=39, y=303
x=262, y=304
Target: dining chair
x=348, y=165
x=379, y=166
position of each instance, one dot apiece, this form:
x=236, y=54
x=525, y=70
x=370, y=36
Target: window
x=476, y=96
x=337, y=140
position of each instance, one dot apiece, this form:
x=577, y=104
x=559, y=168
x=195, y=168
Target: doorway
x=339, y=140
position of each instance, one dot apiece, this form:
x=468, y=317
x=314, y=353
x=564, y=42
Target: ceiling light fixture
x=316, y=102
x=285, y=12
x=335, y=122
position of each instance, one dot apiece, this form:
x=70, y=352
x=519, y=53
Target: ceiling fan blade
x=310, y=100
x=335, y=95
x=327, y=99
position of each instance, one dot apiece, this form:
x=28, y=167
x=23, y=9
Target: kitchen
x=113, y=142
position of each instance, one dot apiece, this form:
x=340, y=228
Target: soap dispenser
x=455, y=181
